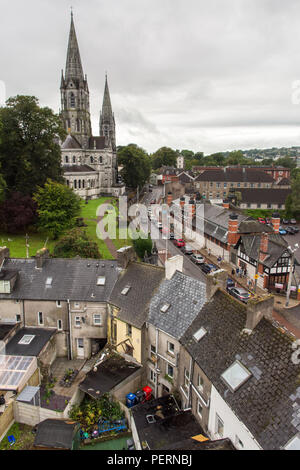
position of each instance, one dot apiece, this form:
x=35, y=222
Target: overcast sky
x=203, y=75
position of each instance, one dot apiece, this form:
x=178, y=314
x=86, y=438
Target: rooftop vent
x=126, y=290
x=165, y=307
x=151, y=419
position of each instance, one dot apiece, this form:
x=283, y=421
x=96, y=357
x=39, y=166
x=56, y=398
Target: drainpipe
x=156, y=375
x=191, y=372
x=70, y=331
x=23, y=308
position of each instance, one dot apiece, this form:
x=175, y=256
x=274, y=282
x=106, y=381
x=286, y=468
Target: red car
x=180, y=243
x=261, y=220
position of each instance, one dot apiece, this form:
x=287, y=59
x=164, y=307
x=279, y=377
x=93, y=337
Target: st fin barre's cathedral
x=89, y=163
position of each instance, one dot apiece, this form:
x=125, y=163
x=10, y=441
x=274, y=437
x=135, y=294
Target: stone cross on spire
x=73, y=65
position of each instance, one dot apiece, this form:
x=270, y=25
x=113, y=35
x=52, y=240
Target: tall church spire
x=107, y=120
x=73, y=64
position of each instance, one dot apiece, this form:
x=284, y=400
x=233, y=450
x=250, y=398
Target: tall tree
x=292, y=203
x=165, y=156
x=76, y=243
x=29, y=149
x=58, y=208
x=136, y=165
x=17, y=212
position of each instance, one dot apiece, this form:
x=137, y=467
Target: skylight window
x=165, y=307
x=26, y=339
x=294, y=443
x=49, y=281
x=101, y=281
x=126, y=290
x=199, y=334
x=235, y=376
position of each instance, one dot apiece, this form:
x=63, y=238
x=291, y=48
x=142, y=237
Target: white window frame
x=58, y=304
x=129, y=330
x=199, y=404
x=199, y=386
x=218, y=420
x=59, y=328
x=167, y=371
x=153, y=377
x=40, y=322
x=237, y=443
x=77, y=320
x=97, y=323
x=76, y=305
x=186, y=377
x=168, y=348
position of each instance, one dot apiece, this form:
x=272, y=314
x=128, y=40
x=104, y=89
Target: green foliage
x=58, y=207
x=292, y=203
x=23, y=435
x=90, y=411
x=141, y=245
x=29, y=149
x=136, y=165
x=76, y=243
x=165, y=156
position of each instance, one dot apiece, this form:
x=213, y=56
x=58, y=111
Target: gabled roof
x=77, y=169
x=74, y=279
x=143, y=280
x=276, y=247
x=268, y=403
x=70, y=143
x=97, y=143
x=250, y=175
x=264, y=195
x=185, y=295
x=55, y=433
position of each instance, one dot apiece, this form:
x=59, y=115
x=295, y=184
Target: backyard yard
x=23, y=435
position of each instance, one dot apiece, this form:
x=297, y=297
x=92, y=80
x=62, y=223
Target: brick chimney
x=258, y=308
x=4, y=254
x=192, y=207
x=264, y=243
x=182, y=202
x=40, y=257
x=214, y=281
x=276, y=222
x=169, y=198
x=125, y=256
x=172, y=265
x=226, y=204
x=233, y=236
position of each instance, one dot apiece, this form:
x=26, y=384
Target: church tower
x=75, y=105
x=107, y=119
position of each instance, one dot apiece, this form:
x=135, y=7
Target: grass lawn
x=89, y=210
x=16, y=243
x=23, y=435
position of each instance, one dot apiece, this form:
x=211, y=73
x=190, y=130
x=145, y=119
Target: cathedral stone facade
x=90, y=163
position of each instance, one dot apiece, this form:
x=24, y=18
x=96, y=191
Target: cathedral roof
x=73, y=65
x=70, y=143
x=97, y=142
x=77, y=168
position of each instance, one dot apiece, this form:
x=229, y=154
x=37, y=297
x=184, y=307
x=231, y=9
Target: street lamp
x=292, y=252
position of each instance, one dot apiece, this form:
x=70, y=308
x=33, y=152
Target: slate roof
x=276, y=247
x=186, y=297
x=264, y=195
x=268, y=403
x=74, y=279
x=249, y=175
x=56, y=433
x=185, y=178
x=98, y=142
x=70, y=143
x=171, y=425
x=5, y=329
x=144, y=279
x=41, y=338
x=284, y=182
x=109, y=374
x=77, y=168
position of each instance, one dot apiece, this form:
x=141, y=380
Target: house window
x=18, y=318
x=67, y=159
x=40, y=318
x=58, y=303
x=152, y=376
x=129, y=330
x=200, y=383
x=76, y=305
x=77, y=322
x=219, y=426
x=238, y=443
x=74, y=159
x=97, y=319
x=199, y=408
x=171, y=348
x=153, y=349
x=72, y=100
x=186, y=378
x=170, y=371
x=59, y=325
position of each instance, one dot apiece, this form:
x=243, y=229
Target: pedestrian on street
x=233, y=272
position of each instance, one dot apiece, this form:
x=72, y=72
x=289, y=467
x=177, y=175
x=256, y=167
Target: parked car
x=208, y=268
x=239, y=293
x=290, y=231
x=268, y=221
x=180, y=243
x=294, y=228
x=293, y=221
x=230, y=283
x=197, y=259
x=172, y=236
x=187, y=250
x=282, y=231
x=285, y=221
x=261, y=220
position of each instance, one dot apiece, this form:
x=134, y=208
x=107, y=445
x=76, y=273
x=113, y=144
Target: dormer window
x=100, y=280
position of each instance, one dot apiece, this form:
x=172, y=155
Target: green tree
x=165, y=156
x=141, y=245
x=292, y=203
x=58, y=208
x=29, y=149
x=76, y=243
x=136, y=165
x=3, y=187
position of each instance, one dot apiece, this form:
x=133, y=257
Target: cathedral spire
x=73, y=65
x=107, y=120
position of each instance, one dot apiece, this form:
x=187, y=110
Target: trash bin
x=140, y=395
x=130, y=400
x=148, y=392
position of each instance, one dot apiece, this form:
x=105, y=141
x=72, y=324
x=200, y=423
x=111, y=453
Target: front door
x=80, y=348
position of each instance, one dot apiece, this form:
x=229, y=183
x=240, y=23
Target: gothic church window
x=67, y=159
x=72, y=100
x=75, y=184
